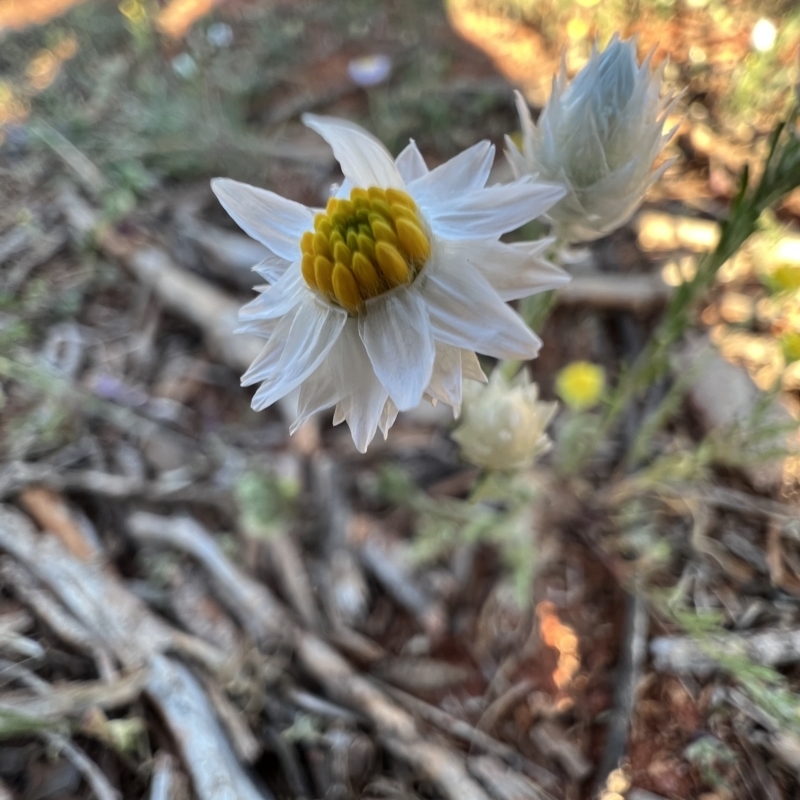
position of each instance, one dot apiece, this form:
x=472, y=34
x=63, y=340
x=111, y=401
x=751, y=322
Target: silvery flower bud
x=599, y=136
x=503, y=424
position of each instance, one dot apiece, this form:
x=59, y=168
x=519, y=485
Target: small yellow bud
x=307, y=243
x=335, y=238
x=392, y=265
x=382, y=207
x=342, y=254
x=383, y=231
x=413, y=240
x=323, y=273
x=396, y=196
x=307, y=268
x=366, y=244
x=790, y=344
x=321, y=245
x=581, y=385
x=785, y=278
x=366, y=275
x=345, y=288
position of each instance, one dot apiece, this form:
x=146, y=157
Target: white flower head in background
x=504, y=423
x=598, y=135
x=383, y=298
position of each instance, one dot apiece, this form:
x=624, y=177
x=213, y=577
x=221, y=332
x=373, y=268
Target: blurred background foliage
x=187, y=87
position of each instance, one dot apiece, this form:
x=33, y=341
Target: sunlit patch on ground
x=562, y=637
x=17, y=14
x=512, y=47
x=174, y=19
x=179, y=15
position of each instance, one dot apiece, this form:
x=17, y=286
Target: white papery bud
x=503, y=424
x=598, y=135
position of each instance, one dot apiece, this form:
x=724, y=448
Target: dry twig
x=253, y=605
x=686, y=655
x=185, y=294
x=100, y=785
x=207, y=755
x=53, y=614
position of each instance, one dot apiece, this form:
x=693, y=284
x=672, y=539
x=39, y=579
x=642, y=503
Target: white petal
x=317, y=393
x=464, y=173
x=388, y=416
x=278, y=299
x=344, y=190
x=362, y=395
x=471, y=367
x=267, y=361
x=272, y=268
x=273, y=220
x=266, y=364
x=397, y=335
x=519, y=166
x=445, y=383
x=515, y=270
x=363, y=413
x=363, y=159
x=466, y=312
x=314, y=331
x=491, y=212
x=526, y=123
x=410, y=163
x=263, y=328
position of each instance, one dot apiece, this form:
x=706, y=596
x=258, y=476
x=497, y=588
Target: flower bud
x=598, y=135
x=581, y=385
x=503, y=424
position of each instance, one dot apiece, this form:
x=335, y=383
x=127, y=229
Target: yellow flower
x=785, y=279
x=790, y=343
x=581, y=384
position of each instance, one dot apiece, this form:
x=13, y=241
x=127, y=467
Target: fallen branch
x=162, y=783
x=252, y=603
x=394, y=727
x=138, y=639
x=100, y=785
x=631, y=665
x=18, y=475
x=53, y=515
x=685, y=655
x=609, y=292
x=72, y=700
x=55, y=617
x=462, y=730
x=347, y=594
x=206, y=753
x=502, y=782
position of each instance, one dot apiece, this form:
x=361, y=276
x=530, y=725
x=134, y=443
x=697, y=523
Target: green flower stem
x=781, y=175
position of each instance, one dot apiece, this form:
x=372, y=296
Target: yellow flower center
x=364, y=246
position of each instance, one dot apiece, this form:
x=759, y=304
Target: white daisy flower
x=385, y=296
